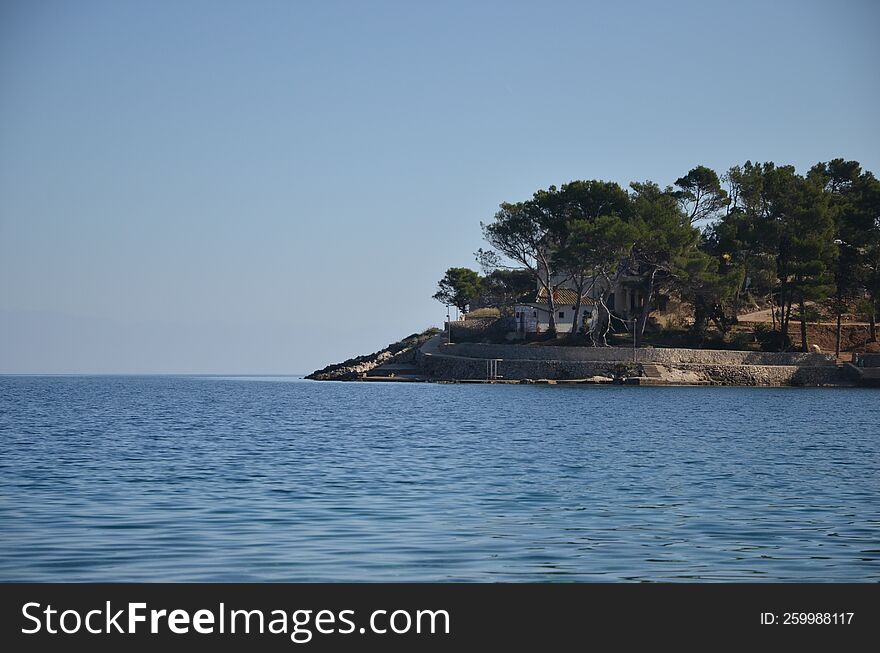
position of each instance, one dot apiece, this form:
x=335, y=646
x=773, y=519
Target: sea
x=209, y=478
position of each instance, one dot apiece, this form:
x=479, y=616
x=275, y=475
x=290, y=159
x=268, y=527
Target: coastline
x=427, y=357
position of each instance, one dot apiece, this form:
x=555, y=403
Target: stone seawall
x=625, y=354
x=769, y=374
x=454, y=368
x=468, y=361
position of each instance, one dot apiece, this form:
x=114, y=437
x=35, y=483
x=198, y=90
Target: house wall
x=542, y=322
x=627, y=294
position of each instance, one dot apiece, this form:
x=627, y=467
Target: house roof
x=561, y=297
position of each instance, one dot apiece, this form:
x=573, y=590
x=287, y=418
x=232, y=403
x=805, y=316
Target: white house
x=534, y=317
x=624, y=297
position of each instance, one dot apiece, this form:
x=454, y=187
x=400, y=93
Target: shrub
x=741, y=339
x=482, y=312
x=771, y=340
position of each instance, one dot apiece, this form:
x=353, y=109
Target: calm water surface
x=274, y=479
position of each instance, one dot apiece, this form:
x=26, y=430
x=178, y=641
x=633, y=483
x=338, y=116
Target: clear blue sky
x=267, y=187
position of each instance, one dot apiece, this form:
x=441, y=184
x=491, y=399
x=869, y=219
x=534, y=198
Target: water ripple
x=250, y=479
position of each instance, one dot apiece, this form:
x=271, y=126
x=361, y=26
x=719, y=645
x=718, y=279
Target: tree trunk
x=872, y=321
x=575, y=323
x=720, y=319
x=784, y=314
x=788, y=317
x=837, y=335
x=701, y=320
x=804, y=345
x=551, y=304
x=784, y=320
x=772, y=310
x=599, y=332
x=646, y=309
x=736, y=299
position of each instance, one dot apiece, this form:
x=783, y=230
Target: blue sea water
x=279, y=479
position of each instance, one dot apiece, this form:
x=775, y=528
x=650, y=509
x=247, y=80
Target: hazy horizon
x=267, y=188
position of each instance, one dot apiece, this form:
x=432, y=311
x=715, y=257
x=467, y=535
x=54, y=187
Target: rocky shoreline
x=402, y=351
x=426, y=357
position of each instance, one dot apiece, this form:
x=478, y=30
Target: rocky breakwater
x=402, y=351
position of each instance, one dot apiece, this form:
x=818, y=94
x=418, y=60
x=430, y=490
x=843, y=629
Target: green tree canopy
x=458, y=287
x=665, y=234
x=700, y=194
x=502, y=288
x=527, y=233
x=768, y=233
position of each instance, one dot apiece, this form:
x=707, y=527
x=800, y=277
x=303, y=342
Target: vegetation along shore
x=777, y=273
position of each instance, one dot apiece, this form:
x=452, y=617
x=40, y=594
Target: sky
x=268, y=187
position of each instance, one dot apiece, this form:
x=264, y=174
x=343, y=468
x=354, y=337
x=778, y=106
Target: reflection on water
x=225, y=479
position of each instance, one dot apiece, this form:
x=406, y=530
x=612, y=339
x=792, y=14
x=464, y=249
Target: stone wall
x=645, y=355
x=809, y=375
x=457, y=368
x=454, y=368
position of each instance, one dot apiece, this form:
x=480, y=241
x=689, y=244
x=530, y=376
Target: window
x=561, y=315
x=535, y=314
x=610, y=302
